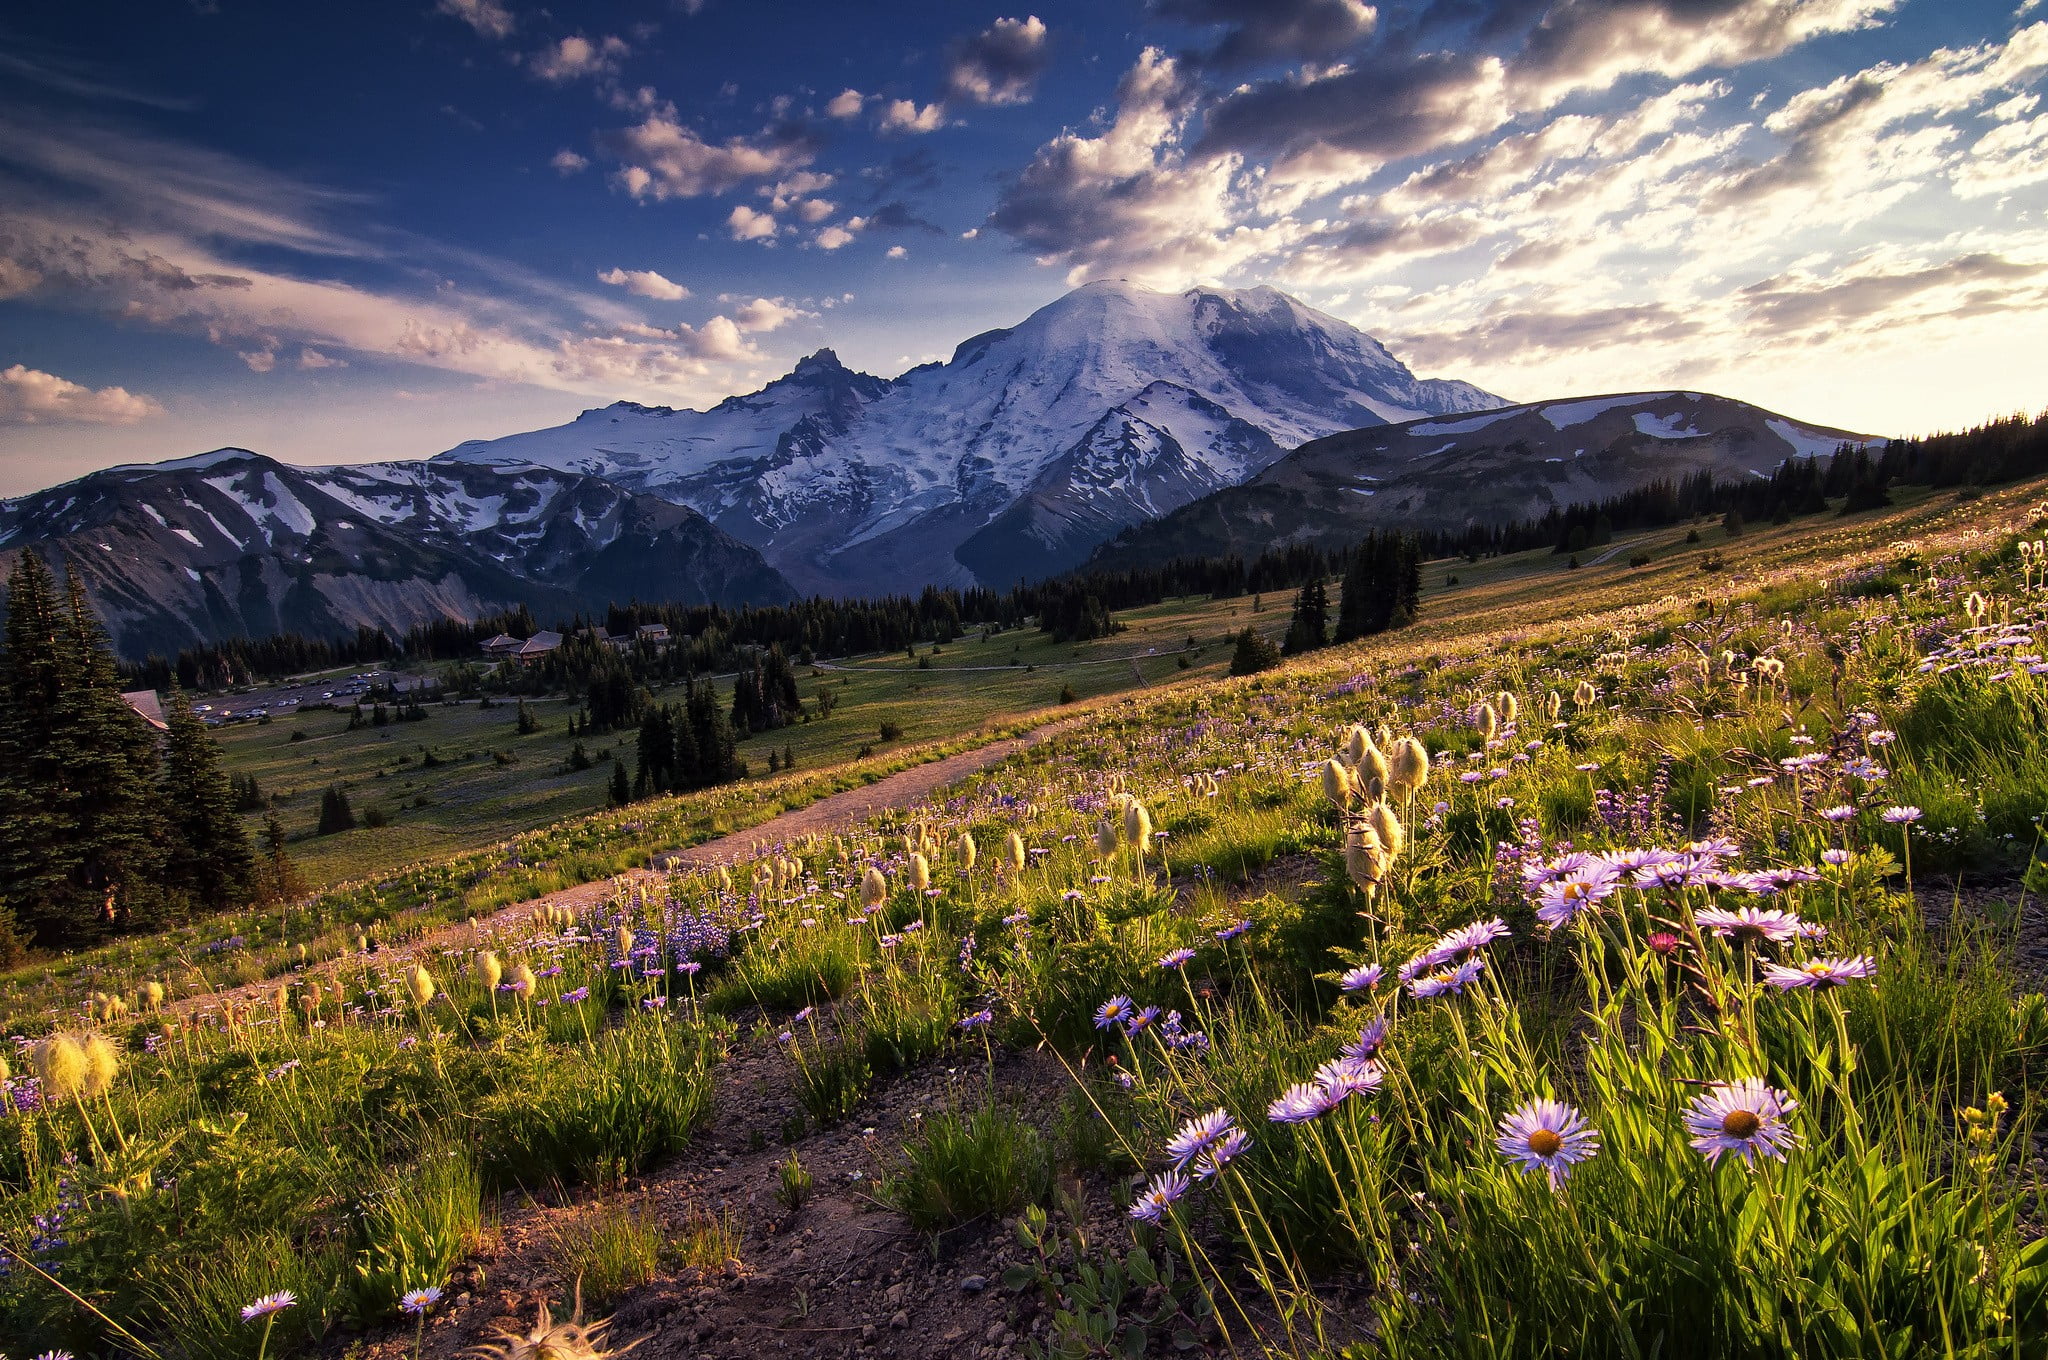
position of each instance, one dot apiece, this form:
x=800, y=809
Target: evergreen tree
x=1382, y=586
x=1254, y=653
x=278, y=879
x=622, y=791
x=207, y=851
x=1310, y=626
x=335, y=812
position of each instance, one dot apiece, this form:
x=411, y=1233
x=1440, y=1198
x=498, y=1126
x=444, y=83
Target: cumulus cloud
x=29, y=396
x=833, y=237
x=644, y=283
x=567, y=162
x=904, y=116
x=489, y=18
x=313, y=358
x=845, y=104
x=999, y=65
x=766, y=314
x=897, y=253
x=577, y=57
x=662, y=159
x=746, y=224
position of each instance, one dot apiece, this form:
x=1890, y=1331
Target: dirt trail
x=835, y=813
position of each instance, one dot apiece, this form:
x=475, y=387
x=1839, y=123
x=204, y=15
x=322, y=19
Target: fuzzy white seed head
x=1408, y=767
x=874, y=889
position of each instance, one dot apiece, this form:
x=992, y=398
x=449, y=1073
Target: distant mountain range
x=1114, y=424
x=1491, y=468
x=233, y=544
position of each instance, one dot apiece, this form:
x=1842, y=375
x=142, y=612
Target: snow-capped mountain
x=231, y=543
x=1112, y=405
x=1492, y=467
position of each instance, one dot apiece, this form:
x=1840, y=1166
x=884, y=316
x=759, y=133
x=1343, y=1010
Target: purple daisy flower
x=1176, y=958
x=1220, y=1152
x=1901, y=816
x=1141, y=1020
x=1363, y=977
x=269, y=1304
x=1300, y=1103
x=1560, y=901
x=1198, y=1135
x=1447, y=980
x=1744, y=1117
x=1819, y=974
x=1749, y=924
x=1548, y=1136
x=981, y=1017
x=1161, y=1195
x=1113, y=1011
x=417, y=1301
x=1370, y=1040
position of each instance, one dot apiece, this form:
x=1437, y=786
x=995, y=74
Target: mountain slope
x=1017, y=455
x=232, y=544
x=1489, y=468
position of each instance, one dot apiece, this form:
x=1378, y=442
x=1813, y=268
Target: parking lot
x=280, y=701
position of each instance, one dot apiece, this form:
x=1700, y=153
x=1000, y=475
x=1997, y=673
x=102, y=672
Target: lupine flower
x=1901, y=816
x=417, y=1301
x=1113, y=1011
x=1819, y=974
x=1165, y=1190
x=1547, y=1135
x=1744, y=1117
x=1361, y=978
x=269, y=1304
x=1748, y=924
x=1176, y=958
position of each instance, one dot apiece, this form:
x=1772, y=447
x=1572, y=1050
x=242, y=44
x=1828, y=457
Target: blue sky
x=370, y=231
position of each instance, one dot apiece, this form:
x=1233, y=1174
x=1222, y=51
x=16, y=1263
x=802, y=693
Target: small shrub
x=986, y=1164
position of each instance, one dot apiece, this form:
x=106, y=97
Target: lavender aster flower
x=1218, y=1156
x=1176, y=958
x=1819, y=974
x=417, y=1301
x=1114, y=1011
x=1162, y=1194
x=1370, y=1040
x=1744, y=1117
x=1361, y=978
x=1901, y=816
x=1547, y=1136
x=1749, y=924
x=1447, y=980
x=1198, y=1135
x=269, y=1304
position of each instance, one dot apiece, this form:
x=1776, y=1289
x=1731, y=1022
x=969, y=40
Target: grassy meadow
x=1622, y=961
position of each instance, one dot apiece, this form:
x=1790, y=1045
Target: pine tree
x=1310, y=626
x=622, y=791
x=336, y=814
x=1254, y=653
x=32, y=830
x=278, y=878
x=207, y=851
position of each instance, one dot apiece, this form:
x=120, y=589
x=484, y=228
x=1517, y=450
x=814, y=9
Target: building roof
x=148, y=707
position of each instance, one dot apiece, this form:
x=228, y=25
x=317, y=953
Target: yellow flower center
x=1545, y=1142
x=1741, y=1123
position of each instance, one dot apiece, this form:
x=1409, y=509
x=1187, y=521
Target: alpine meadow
x=1277, y=678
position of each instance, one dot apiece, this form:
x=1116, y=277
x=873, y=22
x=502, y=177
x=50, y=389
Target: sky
x=335, y=233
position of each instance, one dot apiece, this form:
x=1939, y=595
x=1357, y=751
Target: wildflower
x=421, y=984
x=1198, y=1135
x=1113, y=1011
x=1334, y=1082
x=1746, y=925
x=1370, y=1040
x=1834, y=858
x=1141, y=1020
x=580, y=994
x=1901, y=816
x=1231, y=932
x=803, y=1015
x=1562, y=899
x=1162, y=1194
x=1408, y=766
x=981, y=1017
x=1447, y=980
x=1362, y=978
x=269, y=1304
x=1547, y=1135
x=1841, y=812
x=1744, y=1117
x=1819, y=974
x=1476, y=936
x=1219, y=1155
x=417, y=1301
x=1176, y=958
x=1662, y=942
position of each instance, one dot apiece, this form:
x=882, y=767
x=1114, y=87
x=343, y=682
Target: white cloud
x=766, y=314
x=661, y=159
x=645, y=283
x=897, y=253
x=568, y=162
x=832, y=238
x=258, y=360
x=29, y=396
x=999, y=65
x=903, y=115
x=489, y=18
x=745, y=224
x=845, y=104
x=577, y=57
x=313, y=358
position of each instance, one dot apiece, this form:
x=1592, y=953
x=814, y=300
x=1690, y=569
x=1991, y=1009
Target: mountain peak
x=824, y=361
